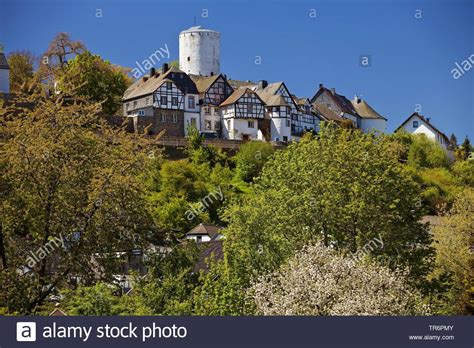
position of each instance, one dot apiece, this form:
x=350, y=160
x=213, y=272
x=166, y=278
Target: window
x=147, y=101
x=163, y=118
x=250, y=108
x=217, y=125
x=277, y=108
x=198, y=239
x=174, y=101
x=285, y=138
x=174, y=118
x=127, y=106
x=163, y=100
x=193, y=121
x=207, y=125
x=251, y=124
x=141, y=112
x=228, y=124
x=191, y=102
x=207, y=111
x=169, y=85
x=135, y=104
x=189, y=58
x=287, y=123
x=415, y=124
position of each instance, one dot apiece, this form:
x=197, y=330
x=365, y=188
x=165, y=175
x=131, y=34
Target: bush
x=426, y=153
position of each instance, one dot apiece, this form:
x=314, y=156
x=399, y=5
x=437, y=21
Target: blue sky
x=411, y=58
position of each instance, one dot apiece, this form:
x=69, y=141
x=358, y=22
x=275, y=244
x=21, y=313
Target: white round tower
x=199, y=51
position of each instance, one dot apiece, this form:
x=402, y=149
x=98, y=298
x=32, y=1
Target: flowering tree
x=319, y=281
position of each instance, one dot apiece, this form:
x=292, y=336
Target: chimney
x=320, y=85
x=357, y=99
x=428, y=119
x=262, y=84
x=164, y=68
x=152, y=72
x=333, y=91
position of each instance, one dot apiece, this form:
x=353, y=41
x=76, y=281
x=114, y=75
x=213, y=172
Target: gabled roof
x=203, y=83
x=271, y=89
x=326, y=113
x=148, y=84
x=205, y=229
x=421, y=117
x=237, y=94
x=365, y=110
x=3, y=61
x=344, y=104
x=274, y=100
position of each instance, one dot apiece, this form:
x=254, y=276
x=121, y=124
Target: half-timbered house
x=241, y=113
x=162, y=100
x=307, y=121
x=280, y=118
x=337, y=103
x=213, y=90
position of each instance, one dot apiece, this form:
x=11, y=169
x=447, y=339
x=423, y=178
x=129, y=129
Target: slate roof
x=344, y=104
x=427, y=122
x=148, y=84
x=205, y=229
x=364, y=110
x=326, y=113
x=3, y=61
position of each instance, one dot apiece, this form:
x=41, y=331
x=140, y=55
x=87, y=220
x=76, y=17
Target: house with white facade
x=370, y=120
x=165, y=99
x=204, y=233
x=4, y=73
x=213, y=90
x=241, y=113
x=357, y=111
x=290, y=116
x=418, y=124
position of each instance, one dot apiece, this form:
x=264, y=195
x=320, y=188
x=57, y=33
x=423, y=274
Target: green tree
x=453, y=239
x=464, y=150
x=425, y=153
x=70, y=197
x=345, y=189
x=251, y=158
x=90, y=76
x=21, y=69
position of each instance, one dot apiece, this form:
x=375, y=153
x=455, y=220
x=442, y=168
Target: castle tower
x=4, y=73
x=199, y=51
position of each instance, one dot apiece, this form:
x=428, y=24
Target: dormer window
x=415, y=124
x=169, y=85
